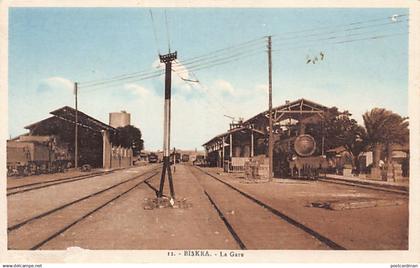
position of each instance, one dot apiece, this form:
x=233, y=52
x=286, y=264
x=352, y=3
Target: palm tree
x=384, y=128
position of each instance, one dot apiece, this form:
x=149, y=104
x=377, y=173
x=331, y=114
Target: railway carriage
x=185, y=158
x=31, y=155
x=152, y=158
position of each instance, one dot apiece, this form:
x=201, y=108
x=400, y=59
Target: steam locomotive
x=300, y=157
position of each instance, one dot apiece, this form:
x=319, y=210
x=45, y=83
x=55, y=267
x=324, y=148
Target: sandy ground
x=125, y=224
x=365, y=228
x=256, y=227
x=25, y=205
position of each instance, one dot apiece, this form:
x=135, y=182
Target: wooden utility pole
x=76, y=138
x=270, y=118
x=174, y=159
x=167, y=59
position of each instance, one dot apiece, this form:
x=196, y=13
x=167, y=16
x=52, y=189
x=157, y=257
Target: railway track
x=34, y=232
x=43, y=184
x=268, y=225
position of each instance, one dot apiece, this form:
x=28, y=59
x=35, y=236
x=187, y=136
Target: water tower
x=119, y=119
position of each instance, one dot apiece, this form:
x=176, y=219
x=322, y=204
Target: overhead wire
x=238, y=56
x=335, y=34
x=123, y=79
x=224, y=61
x=207, y=104
x=346, y=35
x=339, y=25
x=92, y=83
x=253, y=47
x=235, y=54
x=154, y=31
x=381, y=36
x=224, y=55
x=205, y=88
x=344, y=31
x=119, y=77
x=116, y=83
x=251, y=42
x=167, y=33
x=138, y=75
x=219, y=58
x=128, y=75
x=284, y=36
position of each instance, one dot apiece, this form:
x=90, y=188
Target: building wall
x=121, y=157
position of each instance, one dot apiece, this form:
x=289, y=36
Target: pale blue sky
x=49, y=48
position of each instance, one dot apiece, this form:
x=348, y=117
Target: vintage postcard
x=144, y=132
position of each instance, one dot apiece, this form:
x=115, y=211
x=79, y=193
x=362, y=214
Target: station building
x=299, y=144
x=248, y=139
x=94, y=145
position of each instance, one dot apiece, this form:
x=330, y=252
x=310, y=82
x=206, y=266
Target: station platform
x=402, y=185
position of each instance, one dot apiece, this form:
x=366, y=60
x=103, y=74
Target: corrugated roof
x=67, y=114
x=298, y=105
x=231, y=132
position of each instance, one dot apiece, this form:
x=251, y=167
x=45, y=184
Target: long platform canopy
x=68, y=114
x=232, y=131
x=299, y=110
x=296, y=110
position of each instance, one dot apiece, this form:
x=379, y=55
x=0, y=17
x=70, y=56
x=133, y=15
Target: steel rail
x=44, y=184
x=326, y=241
x=46, y=213
x=68, y=226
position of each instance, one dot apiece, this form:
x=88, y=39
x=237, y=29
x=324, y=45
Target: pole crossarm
x=168, y=57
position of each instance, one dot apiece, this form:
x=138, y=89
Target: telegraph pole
x=270, y=118
x=174, y=159
x=76, y=144
x=167, y=59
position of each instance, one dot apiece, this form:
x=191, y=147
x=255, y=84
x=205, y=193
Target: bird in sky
x=189, y=80
x=315, y=59
x=394, y=18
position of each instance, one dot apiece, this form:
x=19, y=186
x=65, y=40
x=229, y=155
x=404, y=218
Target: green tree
x=384, y=128
x=339, y=129
x=128, y=137
x=346, y=132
